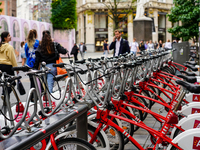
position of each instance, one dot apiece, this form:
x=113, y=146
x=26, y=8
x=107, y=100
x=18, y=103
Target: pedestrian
x=155, y=45
x=7, y=58
x=46, y=53
x=160, y=45
x=141, y=45
x=82, y=49
x=30, y=48
x=106, y=48
x=150, y=45
x=75, y=51
x=134, y=47
x=146, y=45
x=119, y=44
x=168, y=45
x=22, y=51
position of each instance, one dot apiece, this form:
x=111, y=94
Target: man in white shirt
x=134, y=46
x=119, y=44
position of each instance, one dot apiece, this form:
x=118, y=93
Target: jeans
x=133, y=53
x=106, y=53
x=50, y=80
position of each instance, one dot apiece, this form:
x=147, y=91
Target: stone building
x=94, y=25
x=9, y=7
x=34, y=10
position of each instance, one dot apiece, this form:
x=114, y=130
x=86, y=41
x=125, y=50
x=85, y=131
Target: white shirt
x=22, y=51
x=168, y=45
x=81, y=48
x=150, y=46
x=117, y=45
x=134, y=46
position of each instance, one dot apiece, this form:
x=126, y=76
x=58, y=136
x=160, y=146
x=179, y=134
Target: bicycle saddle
x=190, y=79
x=190, y=87
x=188, y=73
x=191, y=63
x=190, y=67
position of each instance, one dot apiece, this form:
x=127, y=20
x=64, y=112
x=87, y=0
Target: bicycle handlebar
x=22, y=68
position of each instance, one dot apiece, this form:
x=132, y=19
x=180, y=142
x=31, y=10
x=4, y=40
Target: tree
x=64, y=14
x=114, y=10
x=1, y=8
x=188, y=12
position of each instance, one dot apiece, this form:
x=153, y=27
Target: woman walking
x=22, y=51
x=30, y=48
x=7, y=57
x=48, y=52
x=105, y=48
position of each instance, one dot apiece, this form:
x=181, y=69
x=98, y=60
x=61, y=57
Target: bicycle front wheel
x=73, y=144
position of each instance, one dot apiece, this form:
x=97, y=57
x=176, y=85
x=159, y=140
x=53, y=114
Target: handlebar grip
x=59, y=65
x=80, y=61
x=58, y=77
x=22, y=68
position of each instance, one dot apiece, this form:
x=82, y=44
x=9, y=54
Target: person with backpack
x=48, y=52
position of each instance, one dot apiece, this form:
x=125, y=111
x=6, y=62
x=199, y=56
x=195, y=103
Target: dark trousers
x=75, y=57
x=9, y=70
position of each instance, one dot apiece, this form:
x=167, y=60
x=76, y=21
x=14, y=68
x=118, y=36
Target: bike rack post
x=82, y=127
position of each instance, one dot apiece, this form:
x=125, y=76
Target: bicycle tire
x=99, y=142
x=120, y=141
x=72, y=143
x=177, y=132
x=130, y=127
x=141, y=115
x=173, y=148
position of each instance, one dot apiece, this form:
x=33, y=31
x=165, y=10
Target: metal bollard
x=82, y=127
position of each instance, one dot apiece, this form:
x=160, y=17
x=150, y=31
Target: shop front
x=101, y=34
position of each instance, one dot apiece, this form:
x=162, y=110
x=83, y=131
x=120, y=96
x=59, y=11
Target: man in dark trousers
x=119, y=44
x=82, y=49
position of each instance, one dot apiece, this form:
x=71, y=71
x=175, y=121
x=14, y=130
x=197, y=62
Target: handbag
x=60, y=71
x=20, y=87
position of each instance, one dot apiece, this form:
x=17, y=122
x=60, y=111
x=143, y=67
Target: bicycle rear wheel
x=73, y=144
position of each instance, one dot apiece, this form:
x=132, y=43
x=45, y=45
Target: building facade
x=9, y=7
x=94, y=25
x=34, y=10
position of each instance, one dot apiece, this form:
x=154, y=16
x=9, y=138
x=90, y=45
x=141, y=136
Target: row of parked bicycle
x=123, y=90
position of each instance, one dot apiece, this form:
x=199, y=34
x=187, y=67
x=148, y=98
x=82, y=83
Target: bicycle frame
x=103, y=117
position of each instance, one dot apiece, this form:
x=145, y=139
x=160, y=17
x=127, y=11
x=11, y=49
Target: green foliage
x=1, y=8
x=114, y=10
x=64, y=14
x=188, y=12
